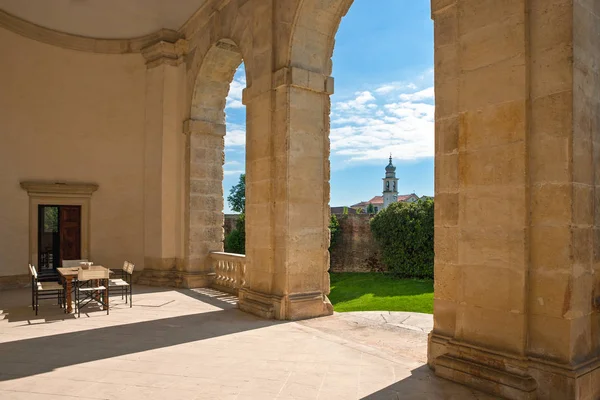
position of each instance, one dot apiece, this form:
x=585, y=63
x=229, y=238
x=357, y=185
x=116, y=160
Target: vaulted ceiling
x=106, y=19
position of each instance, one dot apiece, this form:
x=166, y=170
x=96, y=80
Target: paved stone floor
x=195, y=344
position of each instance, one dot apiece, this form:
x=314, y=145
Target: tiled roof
x=378, y=200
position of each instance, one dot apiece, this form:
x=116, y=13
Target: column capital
x=168, y=49
x=199, y=127
x=290, y=76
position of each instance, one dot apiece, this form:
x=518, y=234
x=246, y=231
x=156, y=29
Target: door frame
x=59, y=194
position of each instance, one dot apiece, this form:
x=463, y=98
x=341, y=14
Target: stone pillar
x=163, y=150
x=205, y=145
x=287, y=199
x=517, y=120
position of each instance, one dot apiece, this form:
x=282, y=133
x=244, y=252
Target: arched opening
x=382, y=152
x=234, y=169
x=500, y=154
x=206, y=132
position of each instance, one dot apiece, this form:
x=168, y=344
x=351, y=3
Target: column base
x=171, y=272
x=291, y=307
x=510, y=376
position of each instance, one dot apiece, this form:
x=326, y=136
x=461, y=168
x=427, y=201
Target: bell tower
x=390, y=185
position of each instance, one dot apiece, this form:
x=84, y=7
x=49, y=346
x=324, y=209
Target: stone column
x=163, y=150
x=517, y=114
x=287, y=197
x=205, y=145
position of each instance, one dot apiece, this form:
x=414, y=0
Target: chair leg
x=130, y=295
x=37, y=302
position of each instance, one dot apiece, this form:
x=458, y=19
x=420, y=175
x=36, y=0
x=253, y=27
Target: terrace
x=196, y=344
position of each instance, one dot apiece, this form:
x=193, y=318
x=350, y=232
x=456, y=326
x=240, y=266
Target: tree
x=359, y=210
x=237, y=196
x=235, y=242
x=404, y=233
x=370, y=209
x=345, y=211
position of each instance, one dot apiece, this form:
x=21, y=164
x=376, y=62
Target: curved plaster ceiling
x=104, y=19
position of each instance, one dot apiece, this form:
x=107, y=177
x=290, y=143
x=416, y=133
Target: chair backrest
x=89, y=274
x=32, y=271
x=129, y=267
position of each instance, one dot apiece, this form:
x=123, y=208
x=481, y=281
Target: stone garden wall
x=355, y=249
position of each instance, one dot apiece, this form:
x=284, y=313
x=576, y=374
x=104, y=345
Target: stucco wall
x=71, y=116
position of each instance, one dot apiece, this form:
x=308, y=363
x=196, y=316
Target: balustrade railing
x=230, y=271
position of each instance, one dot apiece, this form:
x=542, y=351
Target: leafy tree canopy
x=235, y=242
x=237, y=196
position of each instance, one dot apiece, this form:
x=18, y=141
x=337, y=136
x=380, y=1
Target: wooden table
x=68, y=274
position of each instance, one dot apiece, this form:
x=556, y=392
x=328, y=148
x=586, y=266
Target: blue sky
x=383, y=103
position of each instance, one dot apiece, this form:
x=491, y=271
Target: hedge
x=404, y=233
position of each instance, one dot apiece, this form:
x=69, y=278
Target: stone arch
x=496, y=255
x=211, y=84
x=313, y=34
x=205, y=145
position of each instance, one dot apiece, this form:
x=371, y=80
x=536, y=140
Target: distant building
x=340, y=210
x=390, y=192
x=378, y=202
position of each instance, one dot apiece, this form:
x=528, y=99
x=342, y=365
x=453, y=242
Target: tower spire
x=390, y=185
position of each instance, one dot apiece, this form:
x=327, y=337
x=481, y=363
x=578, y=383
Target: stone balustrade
x=230, y=271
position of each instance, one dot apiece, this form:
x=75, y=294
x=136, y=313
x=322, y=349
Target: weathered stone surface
x=355, y=249
x=517, y=171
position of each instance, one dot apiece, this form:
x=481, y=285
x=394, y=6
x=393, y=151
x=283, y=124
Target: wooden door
x=70, y=233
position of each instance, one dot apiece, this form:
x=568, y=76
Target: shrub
x=334, y=228
x=235, y=242
x=404, y=233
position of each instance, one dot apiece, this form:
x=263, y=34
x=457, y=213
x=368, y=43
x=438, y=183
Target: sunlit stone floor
x=195, y=344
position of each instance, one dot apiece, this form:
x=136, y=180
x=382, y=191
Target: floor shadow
x=211, y=296
x=15, y=304
x=423, y=384
x=39, y=355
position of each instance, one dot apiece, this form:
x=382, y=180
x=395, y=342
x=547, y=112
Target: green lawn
x=379, y=292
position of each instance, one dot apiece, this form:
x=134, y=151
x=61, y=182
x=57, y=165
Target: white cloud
x=234, y=97
x=374, y=123
x=394, y=87
x=359, y=103
x=418, y=96
x=233, y=172
x=235, y=136
x=397, y=117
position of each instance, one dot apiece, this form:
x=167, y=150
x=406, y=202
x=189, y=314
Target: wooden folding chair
x=124, y=282
x=92, y=285
x=44, y=290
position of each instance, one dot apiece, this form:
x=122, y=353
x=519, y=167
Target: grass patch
x=380, y=292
